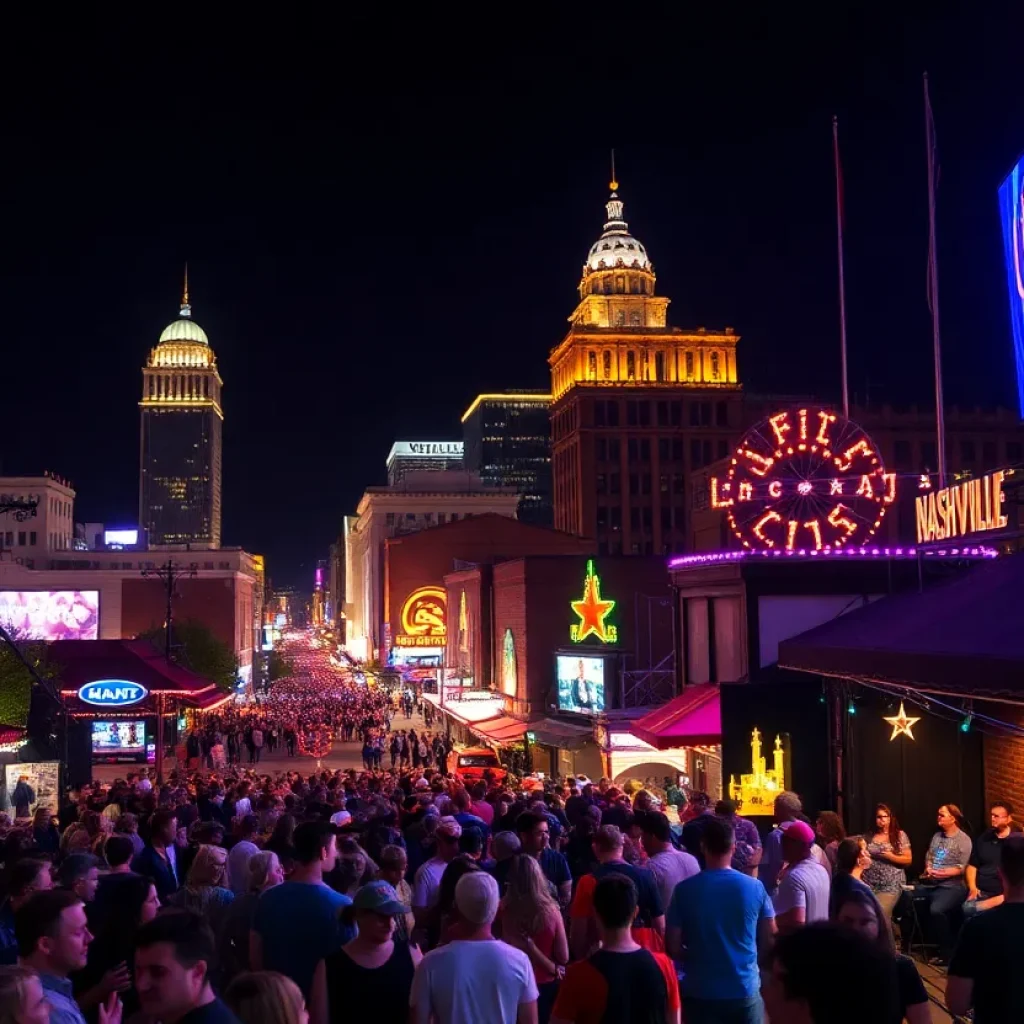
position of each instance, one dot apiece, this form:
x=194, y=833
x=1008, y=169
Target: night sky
x=384, y=217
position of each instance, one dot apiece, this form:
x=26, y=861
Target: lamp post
x=169, y=573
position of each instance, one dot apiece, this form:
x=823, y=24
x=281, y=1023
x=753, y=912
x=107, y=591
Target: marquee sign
x=424, y=619
x=805, y=479
x=112, y=693
x=593, y=612
x=971, y=506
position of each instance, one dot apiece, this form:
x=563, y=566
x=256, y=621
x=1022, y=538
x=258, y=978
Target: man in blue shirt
x=716, y=924
x=298, y=922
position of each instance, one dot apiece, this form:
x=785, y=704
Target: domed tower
x=637, y=406
x=180, y=463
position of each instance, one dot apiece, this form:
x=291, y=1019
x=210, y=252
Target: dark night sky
x=384, y=217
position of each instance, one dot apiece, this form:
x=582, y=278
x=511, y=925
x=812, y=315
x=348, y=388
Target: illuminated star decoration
x=901, y=724
x=593, y=612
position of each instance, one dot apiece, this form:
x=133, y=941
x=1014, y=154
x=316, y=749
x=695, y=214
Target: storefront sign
x=593, y=612
x=971, y=506
x=423, y=622
x=804, y=479
x=112, y=693
x=509, y=675
x=426, y=449
x=755, y=793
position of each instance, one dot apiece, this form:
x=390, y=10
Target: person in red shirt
x=622, y=981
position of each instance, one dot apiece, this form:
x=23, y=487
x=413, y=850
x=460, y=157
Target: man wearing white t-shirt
x=426, y=887
x=803, y=893
x=475, y=978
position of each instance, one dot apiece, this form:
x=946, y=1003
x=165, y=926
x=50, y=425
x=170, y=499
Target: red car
x=471, y=763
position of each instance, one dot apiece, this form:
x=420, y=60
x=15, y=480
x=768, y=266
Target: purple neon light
x=717, y=557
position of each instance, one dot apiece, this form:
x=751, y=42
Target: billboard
x=424, y=619
x=120, y=538
x=118, y=738
x=580, y=684
x=51, y=614
x=42, y=776
x=1011, y=213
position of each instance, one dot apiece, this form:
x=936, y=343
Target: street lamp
x=169, y=573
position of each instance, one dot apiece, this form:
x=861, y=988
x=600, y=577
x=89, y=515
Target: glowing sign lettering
x=971, y=506
x=112, y=693
x=781, y=486
x=593, y=612
x=424, y=619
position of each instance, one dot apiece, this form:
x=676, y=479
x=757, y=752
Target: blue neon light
x=1011, y=213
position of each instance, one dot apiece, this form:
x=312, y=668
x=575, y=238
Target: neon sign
x=971, y=506
x=593, y=612
x=805, y=479
x=424, y=618
x=112, y=693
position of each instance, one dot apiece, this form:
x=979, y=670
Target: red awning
x=692, y=719
x=500, y=730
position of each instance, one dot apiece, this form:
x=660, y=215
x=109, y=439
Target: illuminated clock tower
x=637, y=405
x=180, y=439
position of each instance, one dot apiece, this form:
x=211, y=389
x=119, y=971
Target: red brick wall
x=1004, y=761
x=209, y=601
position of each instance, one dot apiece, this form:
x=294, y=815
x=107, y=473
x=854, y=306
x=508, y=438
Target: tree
x=278, y=666
x=194, y=646
x=16, y=681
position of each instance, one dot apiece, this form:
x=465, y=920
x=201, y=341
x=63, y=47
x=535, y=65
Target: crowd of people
x=350, y=895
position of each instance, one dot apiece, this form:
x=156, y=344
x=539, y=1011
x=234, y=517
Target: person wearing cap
x=370, y=977
x=426, y=888
x=804, y=886
x=474, y=977
x=788, y=807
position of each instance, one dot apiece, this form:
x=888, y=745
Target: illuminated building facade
x=51, y=529
x=181, y=445
x=422, y=456
x=637, y=405
x=508, y=443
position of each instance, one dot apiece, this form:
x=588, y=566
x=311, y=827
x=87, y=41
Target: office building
x=422, y=456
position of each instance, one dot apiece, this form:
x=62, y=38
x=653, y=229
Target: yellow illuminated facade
x=619, y=334
x=180, y=442
x=756, y=792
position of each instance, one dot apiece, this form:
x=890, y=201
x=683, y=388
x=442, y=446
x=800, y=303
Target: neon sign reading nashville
x=804, y=478
x=971, y=506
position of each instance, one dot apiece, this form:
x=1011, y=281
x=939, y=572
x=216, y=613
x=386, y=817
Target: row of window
x=609, y=517
x=640, y=366
x=9, y=537
x=703, y=451
x=665, y=413
x=644, y=547
x=967, y=450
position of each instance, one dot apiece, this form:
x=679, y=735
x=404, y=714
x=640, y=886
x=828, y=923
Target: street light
x=169, y=573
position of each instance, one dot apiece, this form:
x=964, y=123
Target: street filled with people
x=400, y=891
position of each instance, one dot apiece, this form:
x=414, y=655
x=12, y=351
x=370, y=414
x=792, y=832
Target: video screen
x=1011, y=213
x=51, y=614
x=580, y=684
x=118, y=737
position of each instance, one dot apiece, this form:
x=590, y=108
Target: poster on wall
x=580, y=684
x=42, y=776
x=509, y=677
x=51, y=614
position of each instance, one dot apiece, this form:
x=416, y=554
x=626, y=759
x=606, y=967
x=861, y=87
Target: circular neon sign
x=112, y=693
x=805, y=479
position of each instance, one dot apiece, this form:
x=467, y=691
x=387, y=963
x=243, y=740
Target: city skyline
x=354, y=302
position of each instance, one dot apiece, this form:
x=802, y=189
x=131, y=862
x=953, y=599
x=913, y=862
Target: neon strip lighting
x=835, y=554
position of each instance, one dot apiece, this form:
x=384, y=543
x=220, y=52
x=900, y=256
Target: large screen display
x=1011, y=212
x=123, y=736
x=51, y=614
x=580, y=683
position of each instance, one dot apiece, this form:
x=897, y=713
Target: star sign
x=901, y=724
x=593, y=612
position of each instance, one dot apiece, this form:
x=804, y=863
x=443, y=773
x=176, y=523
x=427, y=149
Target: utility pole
x=169, y=573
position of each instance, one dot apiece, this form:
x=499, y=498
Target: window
x=613, y=414
x=634, y=519
x=695, y=462
x=723, y=448
x=601, y=449
x=206, y=565
x=9, y=538
x=441, y=518
x=599, y=414
x=901, y=454
x=928, y=457
x=677, y=449
x=1014, y=453
x=631, y=366
x=631, y=414
x=676, y=414
x=614, y=451
x=989, y=458
x=648, y=514
x=645, y=449
x=635, y=319
x=716, y=371
x=645, y=414
x=616, y=517
x=722, y=414
x=602, y=483
x=607, y=360
x=620, y=318
x=666, y=518
x=634, y=483
x=390, y=519
x=659, y=366
x=646, y=481
x=613, y=483
x=602, y=517
x=968, y=452
x=592, y=365
x=32, y=538
x=688, y=362
x=695, y=414
x=663, y=414
x=678, y=483
x=410, y=517
x=21, y=538
x=633, y=449
x=663, y=483
x=664, y=447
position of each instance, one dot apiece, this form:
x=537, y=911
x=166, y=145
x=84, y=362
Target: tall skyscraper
x=508, y=442
x=180, y=459
x=637, y=404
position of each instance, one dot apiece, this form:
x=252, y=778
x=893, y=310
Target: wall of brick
x=1004, y=760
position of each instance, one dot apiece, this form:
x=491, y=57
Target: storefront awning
x=693, y=719
x=561, y=735
x=961, y=637
x=500, y=730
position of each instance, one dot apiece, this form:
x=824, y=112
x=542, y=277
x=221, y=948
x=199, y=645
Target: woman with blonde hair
x=532, y=921
x=265, y=872
x=266, y=997
x=21, y=997
x=206, y=889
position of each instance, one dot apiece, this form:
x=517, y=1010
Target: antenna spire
x=186, y=309
x=614, y=183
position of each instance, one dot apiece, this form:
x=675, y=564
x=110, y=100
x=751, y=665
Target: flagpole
x=933, y=286
x=842, y=275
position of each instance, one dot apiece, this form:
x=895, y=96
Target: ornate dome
x=617, y=247
x=184, y=329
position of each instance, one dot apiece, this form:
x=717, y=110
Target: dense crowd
x=348, y=896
